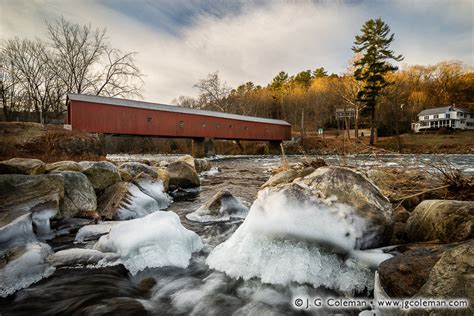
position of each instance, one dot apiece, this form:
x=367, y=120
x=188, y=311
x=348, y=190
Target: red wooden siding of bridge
x=126, y=117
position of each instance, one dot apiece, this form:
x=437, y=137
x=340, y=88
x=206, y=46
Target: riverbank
x=52, y=143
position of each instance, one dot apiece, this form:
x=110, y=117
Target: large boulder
x=182, y=175
x=444, y=220
x=124, y=200
x=349, y=187
x=135, y=168
x=452, y=276
x=79, y=195
x=22, y=166
x=293, y=221
x=222, y=206
x=39, y=195
x=101, y=174
x=403, y=276
x=63, y=166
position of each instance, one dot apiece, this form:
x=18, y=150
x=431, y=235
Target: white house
x=447, y=116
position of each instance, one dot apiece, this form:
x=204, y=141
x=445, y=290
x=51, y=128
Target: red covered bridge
x=96, y=114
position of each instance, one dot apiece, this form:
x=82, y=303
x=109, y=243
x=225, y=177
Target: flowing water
x=195, y=290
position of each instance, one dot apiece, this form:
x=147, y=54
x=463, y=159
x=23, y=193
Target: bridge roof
x=168, y=108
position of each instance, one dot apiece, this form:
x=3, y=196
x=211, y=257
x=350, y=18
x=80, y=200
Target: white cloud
x=258, y=41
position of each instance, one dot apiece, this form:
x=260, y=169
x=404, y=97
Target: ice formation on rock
x=155, y=240
x=91, y=231
x=17, y=232
x=154, y=188
x=78, y=256
x=27, y=265
x=137, y=204
x=223, y=206
x=291, y=236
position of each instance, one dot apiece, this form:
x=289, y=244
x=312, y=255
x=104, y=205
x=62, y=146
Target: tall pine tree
x=373, y=43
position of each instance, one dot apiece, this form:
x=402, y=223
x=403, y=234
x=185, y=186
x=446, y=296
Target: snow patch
x=153, y=241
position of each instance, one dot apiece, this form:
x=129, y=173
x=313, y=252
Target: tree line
x=380, y=96
x=36, y=75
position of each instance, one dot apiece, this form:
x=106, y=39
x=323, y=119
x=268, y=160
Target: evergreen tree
x=373, y=43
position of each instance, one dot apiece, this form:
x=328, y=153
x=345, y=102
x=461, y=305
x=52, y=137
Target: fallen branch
x=420, y=193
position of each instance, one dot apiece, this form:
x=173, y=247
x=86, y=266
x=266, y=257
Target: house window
x=218, y=125
x=181, y=124
x=461, y=114
x=436, y=116
x=427, y=117
x=204, y=124
x=448, y=115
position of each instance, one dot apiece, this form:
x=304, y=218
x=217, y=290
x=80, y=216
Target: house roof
x=169, y=108
x=441, y=110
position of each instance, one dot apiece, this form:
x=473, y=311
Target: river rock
x=443, y=220
x=223, y=206
x=400, y=214
x=403, y=276
x=78, y=256
x=124, y=200
x=202, y=165
x=189, y=160
x=183, y=175
x=79, y=195
x=349, y=187
x=135, y=168
x=282, y=177
x=22, y=266
x=452, y=276
x=125, y=175
x=22, y=166
x=63, y=166
x=101, y=174
x=164, y=176
x=39, y=195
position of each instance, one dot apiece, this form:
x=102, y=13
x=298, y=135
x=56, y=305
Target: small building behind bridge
x=97, y=114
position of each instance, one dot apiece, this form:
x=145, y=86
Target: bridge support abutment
x=273, y=147
x=202, y=147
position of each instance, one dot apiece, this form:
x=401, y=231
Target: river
x=196, y=290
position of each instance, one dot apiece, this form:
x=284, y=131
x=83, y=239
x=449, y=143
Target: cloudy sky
x=180, y=41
